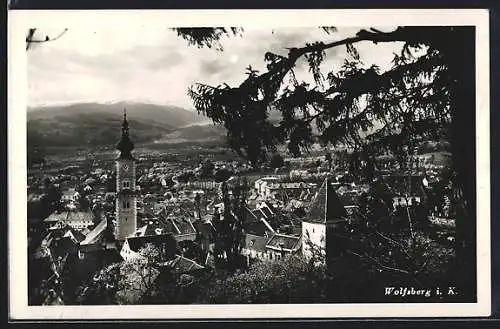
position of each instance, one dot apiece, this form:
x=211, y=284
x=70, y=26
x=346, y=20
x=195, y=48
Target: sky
x=154, y=65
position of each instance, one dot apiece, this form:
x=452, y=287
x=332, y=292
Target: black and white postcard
x=248, y=164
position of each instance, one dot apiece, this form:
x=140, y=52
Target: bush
x=289, y=280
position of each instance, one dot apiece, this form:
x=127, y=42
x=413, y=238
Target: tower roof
x=326, y=205
x=125, y=145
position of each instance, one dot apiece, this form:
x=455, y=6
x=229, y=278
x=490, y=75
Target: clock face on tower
x=125, y=166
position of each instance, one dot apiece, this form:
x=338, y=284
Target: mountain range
x=98, y=124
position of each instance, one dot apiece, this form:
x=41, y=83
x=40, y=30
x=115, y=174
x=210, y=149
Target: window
x=126, y=184
x=126, y=204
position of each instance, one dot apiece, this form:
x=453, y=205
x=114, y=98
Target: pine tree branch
x=376, y=262
x=251, y=100
x=392, y=241
x=400, y=34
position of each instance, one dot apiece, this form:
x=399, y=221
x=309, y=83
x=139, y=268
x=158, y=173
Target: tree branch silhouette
x=31, y=33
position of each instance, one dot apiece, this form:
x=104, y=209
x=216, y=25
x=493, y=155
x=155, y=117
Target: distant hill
x=195, y=133
x=100, y=124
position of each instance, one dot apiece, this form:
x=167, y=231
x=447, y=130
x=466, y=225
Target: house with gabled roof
x=184, y=228
x=75, y=236
x=281, y=245
x=265, y=210
x=78, y=220
x=255, y=247
x=271, y=248
x=96, y=234
x=165, y=243
x=179, y=224
x=69, y=195
x=406, y=190
x=256, y=223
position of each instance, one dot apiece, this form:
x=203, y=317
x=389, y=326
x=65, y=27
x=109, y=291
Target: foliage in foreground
x=289, y=280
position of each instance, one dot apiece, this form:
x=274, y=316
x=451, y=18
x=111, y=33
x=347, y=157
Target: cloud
x=156, y=57
x=213, y=66
x=157, y=66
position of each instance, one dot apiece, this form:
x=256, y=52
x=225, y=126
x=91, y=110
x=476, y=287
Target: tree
x=50, y=200
x=230, y=235
x=186, y=176
x=329, y=160
x=300, y=212
x=207, y=169
x=83, y=203
x=207, y=36
x=386, y=257
x=379, y=248
x=111, y=182
x=143, y=280
x=276, y=161
x=369, y=169
x=101, y=291
x=428, y=90
x=36, y=153
x=32, y=39
x=138, y=276
x=222, y=174
x=289, y=280
x=97, y=212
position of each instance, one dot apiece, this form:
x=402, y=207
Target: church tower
x=126, y=199
x=322, y=229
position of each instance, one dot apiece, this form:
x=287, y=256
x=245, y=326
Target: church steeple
x=125, y=145
x=126, y=199
x=125, y=123
x=326, y=205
